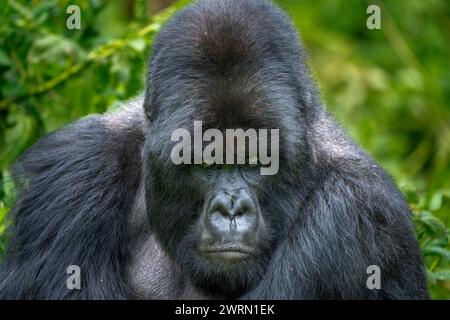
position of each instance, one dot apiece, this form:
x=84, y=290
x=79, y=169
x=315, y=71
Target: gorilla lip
x=228, y=253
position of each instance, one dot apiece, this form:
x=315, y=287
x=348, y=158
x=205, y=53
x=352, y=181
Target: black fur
x=331, y=211
x=78, y=188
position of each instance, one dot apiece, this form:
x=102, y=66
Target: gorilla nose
x=232, y=215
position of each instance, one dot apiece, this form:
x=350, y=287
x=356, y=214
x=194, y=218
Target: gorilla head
x=229, y=69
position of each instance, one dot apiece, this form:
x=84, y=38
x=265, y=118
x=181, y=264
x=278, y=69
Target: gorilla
x=104, y=193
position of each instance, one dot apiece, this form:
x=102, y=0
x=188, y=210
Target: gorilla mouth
x=228, y=254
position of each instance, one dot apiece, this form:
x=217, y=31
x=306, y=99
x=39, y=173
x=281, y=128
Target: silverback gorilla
x=103, y=193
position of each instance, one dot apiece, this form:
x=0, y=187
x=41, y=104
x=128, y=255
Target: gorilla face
x=210, y=218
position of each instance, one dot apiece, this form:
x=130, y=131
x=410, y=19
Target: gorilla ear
x=148, y=114
x=149, y=106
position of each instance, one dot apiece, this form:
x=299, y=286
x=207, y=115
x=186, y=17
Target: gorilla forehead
x=210, y=51
x=215, y=36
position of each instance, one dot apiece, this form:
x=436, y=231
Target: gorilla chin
x=224, y=273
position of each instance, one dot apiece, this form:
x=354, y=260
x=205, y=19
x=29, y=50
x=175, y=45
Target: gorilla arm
x=352, y=219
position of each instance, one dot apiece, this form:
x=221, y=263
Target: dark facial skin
x=230, y=224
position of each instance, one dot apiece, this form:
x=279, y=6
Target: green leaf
x=411, y=194
x=137, y=44
x=434, y=224
x=443, y=275
x=4, y=59
x=435, y=201
x=437, y=251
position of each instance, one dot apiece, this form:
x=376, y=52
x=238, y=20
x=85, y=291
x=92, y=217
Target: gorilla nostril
x=224, y=213
x=218, y=206
x=245, y=206
x=230, y=205
x=241, y=212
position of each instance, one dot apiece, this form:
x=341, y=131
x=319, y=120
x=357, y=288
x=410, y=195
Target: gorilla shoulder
x=338, y=160
x=92, y=144
x=76, y=188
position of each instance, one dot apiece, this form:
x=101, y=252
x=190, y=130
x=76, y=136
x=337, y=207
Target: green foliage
x=434, y=238
x=390, y=88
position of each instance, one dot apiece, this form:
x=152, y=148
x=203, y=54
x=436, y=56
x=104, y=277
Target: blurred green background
x=390, y=88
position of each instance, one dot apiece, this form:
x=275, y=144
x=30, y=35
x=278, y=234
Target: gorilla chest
x=152, y=275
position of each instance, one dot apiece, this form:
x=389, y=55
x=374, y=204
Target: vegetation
x=390, y=88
